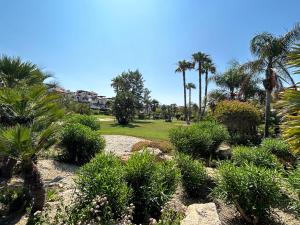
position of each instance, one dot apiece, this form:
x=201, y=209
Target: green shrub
x=101, y=180
x=294, y=180
x=200, y=139
x=258, y=156
x=152, y=183
x=164, y=146
x=277, y=147
x=241, y=119
x=80, y=143
x=86, y=120
x=253, y=190
x=193, y=174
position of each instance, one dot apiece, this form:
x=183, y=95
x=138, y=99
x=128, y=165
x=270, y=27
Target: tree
x=32, y=115
x=123, y=107
x=133, y=83
x=272, y=54
x=208, y=66
x=147, y=101
x=14, y=72
x=199, y=58
x=182, y=66
x=190, y=86
x=290, y=107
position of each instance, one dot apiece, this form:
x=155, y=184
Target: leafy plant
x=294, y=180
x=253, y=190
x=152, y=183
x=278, y=147
x=258, y=156
x=193, y=174
x=241, y=119
x=102, y=179
x=200, y=139
x=80, y=143
x=86, y=120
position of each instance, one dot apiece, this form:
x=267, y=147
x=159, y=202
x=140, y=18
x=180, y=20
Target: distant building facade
x=95, y=101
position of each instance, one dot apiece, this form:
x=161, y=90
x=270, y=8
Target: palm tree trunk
x=205, y=94
x=34, y=185
x=267, y=112
x=184, y=89
x=6, y=168
x=200, y=92
x=190, y=103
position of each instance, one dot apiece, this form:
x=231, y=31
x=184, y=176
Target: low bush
x=294, y=180
x=80, y=143
x=193, y=174
x=241, y=119
x=164, y=146
x=152, y=183
x=258, y=156
x=253, y=190
x=278, y=147
x=101, y=182
x=200, y=140
x=86, y=120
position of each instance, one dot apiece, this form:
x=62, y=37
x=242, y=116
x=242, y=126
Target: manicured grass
x=104, y=116
x=148, y=129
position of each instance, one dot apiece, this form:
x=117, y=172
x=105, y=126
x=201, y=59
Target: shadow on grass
x=127, y=126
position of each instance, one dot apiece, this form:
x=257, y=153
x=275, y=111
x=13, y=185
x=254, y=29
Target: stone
x=201, y=214
x=224, y=151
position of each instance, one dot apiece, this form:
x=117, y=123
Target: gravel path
x=119, y=144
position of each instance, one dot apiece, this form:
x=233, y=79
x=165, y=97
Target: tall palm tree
x=13, y=71
x=32, y=113
x=182, y=66
x=272, y=54
x=208, y=67
x=190, y=86
x=199, y=58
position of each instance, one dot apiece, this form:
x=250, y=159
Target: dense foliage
x=152, y=183
x=241, y=119
x=278, y=147
x=201, y=139
x=123, y=107
x=80, y=143
x=294, y=180
x=193, y=174
x=102, y=177
x=257, y=156
x=253, y=190
x=89, y=121
x=163, y=146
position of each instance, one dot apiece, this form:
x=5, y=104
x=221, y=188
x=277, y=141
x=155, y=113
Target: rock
x=223, y=151
x=201, y=214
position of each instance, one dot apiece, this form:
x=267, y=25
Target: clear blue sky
x=85, y=43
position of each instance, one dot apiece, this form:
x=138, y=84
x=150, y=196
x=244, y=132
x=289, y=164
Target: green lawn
x=148, y=129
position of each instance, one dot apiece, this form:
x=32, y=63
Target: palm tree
x=272, y=54
x=31, y=113
x=190, y=86
x=290, y=106
x=15, y=72
x=182, y=66
x=208, y=66
x=199, y=58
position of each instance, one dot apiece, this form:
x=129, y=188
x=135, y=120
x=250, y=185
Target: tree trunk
x=200, y=92
x=190, y=103
x=184, y=89
x=7, y=165
x=232, y=94
x=205, y=94
x=268, y=88
x=267, y=112
x=34, y=185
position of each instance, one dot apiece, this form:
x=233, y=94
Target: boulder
x=201, y=214
x=224, y=151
